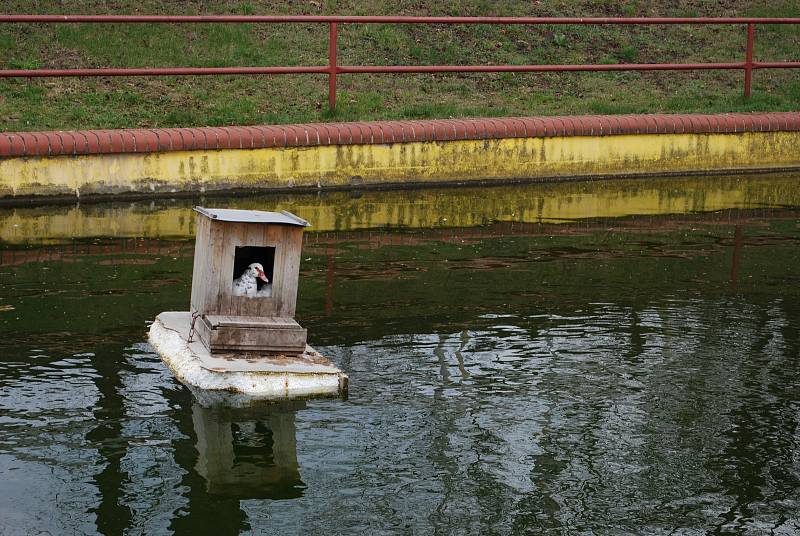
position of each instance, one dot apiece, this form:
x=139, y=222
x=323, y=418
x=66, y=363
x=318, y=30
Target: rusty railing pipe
x=333, y=68
x=748, y=61
x=159, y=71
x=360, y=19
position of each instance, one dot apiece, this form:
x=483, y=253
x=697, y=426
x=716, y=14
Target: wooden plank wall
x=200, y=279
x=290, y=268
x=212, y=276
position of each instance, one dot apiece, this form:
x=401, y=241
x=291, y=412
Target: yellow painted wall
x=428, y=162
x=553, y=202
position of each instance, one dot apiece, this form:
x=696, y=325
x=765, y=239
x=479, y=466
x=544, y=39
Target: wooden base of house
x=269, y=334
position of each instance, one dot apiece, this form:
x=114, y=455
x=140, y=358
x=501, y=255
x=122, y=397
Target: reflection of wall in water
x=248, y=453
x=556, y=202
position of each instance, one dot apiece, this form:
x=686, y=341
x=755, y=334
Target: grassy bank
x=182, y=101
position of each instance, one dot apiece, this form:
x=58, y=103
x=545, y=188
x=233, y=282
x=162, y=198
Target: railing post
x=332, y=67
x=748, y=61
x=329, y=274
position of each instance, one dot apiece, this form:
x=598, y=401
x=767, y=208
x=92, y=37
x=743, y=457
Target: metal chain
x=192, y=331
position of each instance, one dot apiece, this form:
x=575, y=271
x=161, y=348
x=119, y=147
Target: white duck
x=246, y=285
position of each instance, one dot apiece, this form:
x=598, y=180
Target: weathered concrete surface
x=370, y=161
x=279, y=377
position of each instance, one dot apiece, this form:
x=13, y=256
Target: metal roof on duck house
x=252, y=216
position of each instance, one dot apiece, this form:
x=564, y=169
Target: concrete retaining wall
x=341, y=155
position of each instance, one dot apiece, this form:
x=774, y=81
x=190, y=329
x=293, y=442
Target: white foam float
x=273, y=377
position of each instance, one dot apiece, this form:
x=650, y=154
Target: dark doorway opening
x=247, y=255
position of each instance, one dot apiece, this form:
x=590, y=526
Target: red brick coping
x=140, y=140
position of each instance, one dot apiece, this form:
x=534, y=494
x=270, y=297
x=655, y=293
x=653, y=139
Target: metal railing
x=333, y=68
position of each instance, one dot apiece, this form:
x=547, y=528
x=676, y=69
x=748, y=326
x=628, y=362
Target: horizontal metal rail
x=333, y=69
x=368, y=19
x=159, y=71
x=322, y=69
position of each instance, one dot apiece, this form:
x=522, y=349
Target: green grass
x=70, y=103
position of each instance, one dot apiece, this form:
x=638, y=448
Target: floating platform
x=265, y=376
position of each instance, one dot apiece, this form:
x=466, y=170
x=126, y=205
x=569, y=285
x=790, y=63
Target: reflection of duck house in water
x=248, y=453
x=244, y=285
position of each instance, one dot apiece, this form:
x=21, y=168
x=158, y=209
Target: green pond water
x=607, y=358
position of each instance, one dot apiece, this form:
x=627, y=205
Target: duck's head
x=256, y=270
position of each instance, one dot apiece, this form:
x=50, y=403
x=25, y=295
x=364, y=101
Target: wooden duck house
x=244, y=283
